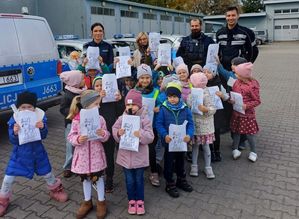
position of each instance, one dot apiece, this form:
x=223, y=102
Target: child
x=204, y=126
x=29, y=158
x=127, y=84
x=110, y=111
x=249, y=88
x=196, y=69
x=183, y=74
x=75, y=84
x=74, y=60
x=174, y=111
x=134, y=163
x=146, y=87
x=89, y=157
x=227, y=74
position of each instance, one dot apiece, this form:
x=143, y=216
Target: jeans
x=69, y=149
x=135, y=183
x=251, y=139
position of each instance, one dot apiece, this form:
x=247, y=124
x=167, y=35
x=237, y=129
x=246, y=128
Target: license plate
x=9, y=79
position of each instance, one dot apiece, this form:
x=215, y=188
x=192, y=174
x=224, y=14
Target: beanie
x=182, y=66
x=196, y=66
x=238, y=60
x=26, y=98
x=211, y=67
x=143, y=69
x=174, y=88
x=134, y=97
x=199, y=80
x=71, y=78
x=169, y=78
x=88, y=98
x=244, y=70
x=99, y=77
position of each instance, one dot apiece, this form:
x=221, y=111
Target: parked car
x=29, y=60
x=261, y=36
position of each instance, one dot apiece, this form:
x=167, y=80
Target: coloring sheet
x=212, y=53
x=196, y=100
x=123, y=69
x=128, y=141
x=89, y=123
x=149, y=105
x=177, y=134
x=231, y=81
x=238, y=105
x=164, y=54
x=217, y=100
x=177, y=61
x=154, y=41
x=92, y=55
x=28, y=132
x=124, y=51
x=109, y=84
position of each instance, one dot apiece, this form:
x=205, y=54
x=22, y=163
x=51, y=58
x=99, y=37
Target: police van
x=29, y=60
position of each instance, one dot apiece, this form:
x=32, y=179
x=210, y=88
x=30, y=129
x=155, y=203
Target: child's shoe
x=172, y=190
x=67, y=173
x=252, y=157
x=194, y=170
x=140, y=207
x=85, y=208
x=183, y=184
x=101, y=209
x=236, y=154
x=57, y=192
x=209, y=172
x=132, y=207
x=4, y=202
x=154, y=179
x=218, y=156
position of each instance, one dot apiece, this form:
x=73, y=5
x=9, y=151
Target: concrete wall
x=8, y=6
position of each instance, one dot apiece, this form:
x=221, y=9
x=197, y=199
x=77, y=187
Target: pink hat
x=244, y=70
x=199, y=80
x=182, y=66
x=134, y=97
x=71, y=78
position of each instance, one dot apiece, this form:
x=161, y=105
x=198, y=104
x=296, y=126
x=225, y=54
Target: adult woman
x=142, y=54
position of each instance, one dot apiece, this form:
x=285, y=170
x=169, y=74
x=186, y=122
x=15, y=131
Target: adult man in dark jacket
x=235, y=40
x=193, y=48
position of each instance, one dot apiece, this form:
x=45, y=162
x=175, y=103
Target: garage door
x=286, y=30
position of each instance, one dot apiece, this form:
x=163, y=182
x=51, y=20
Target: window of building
x=286, y=11
x=165, y=17
x=188, y=20
x=277, y=27
x=133, y=14
x=149, y=16
x=102, y=11
x=285, y=27
x=277, y=11
x=294, y=26
x=178, y=19
x=294, y=10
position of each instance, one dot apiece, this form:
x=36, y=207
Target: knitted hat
x=182, y=66
x=212, y=68
x=174, y=88
x=71, y=78
x=169, y=78
x=199, y=80
x=238, y=60
x=89, y=98
x=244, y=70
x=26, y=98
x=143, y=69
x=99, y=77
x=196, y=66
x=134, y=97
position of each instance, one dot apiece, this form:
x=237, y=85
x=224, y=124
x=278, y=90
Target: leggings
x=251, y=139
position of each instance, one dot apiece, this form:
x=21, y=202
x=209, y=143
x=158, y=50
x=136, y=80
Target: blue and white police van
x=29, y=60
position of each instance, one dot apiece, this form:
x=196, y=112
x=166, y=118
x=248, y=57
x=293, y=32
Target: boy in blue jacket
x=174, y=111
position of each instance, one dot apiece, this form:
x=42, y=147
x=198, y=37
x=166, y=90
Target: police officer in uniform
x=193, y=48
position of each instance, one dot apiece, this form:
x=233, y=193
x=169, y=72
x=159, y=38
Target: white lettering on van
x=8, y=99
x=49, y=89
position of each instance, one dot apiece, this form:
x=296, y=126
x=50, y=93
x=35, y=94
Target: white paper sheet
x=123, y=69
x=109, y=84
x=128, y=141
x=231, y=81
x=164, y=54
x=196, y=100
x=217, y=100
x=212, y=53
x=177, y=134
x=154, y=41
x=92, y=55
x=149, y=105
x=177, y=61
x=238, y=105
x=124, y=51
x=89, y=123
x=28, y=132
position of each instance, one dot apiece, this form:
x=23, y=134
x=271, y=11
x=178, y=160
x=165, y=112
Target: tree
x=250, y=6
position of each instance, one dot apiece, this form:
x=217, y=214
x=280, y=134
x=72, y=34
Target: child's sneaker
x=154, y=179
x=132, y=207
x=172, y=191
x=194, y=170
x=140, y=207
x=4, y=202
x=236, y=154
x=252, y=157
x=184, y=185
x=209, y=172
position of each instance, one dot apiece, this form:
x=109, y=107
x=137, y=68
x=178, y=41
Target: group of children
x=94, y=159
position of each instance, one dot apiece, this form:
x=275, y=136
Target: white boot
x=236, y=154
x=209, y=172
x=194, y=170
x=252, y=157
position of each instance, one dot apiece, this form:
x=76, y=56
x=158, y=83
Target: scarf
x=180, y=105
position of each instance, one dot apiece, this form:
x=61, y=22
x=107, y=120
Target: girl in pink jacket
x=89, y=160
x=134, y=163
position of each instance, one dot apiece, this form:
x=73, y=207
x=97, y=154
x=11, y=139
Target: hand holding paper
x=187, y=138
x=16, y=129
x=167, y=139
x=82, y=139
x=40, y=125
x=100, y=132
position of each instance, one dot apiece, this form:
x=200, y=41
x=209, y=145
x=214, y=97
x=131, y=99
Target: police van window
x=9, y=50
x=35, y=39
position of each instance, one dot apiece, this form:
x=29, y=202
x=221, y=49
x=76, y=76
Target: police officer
x=235, y=40
x=193, y=48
